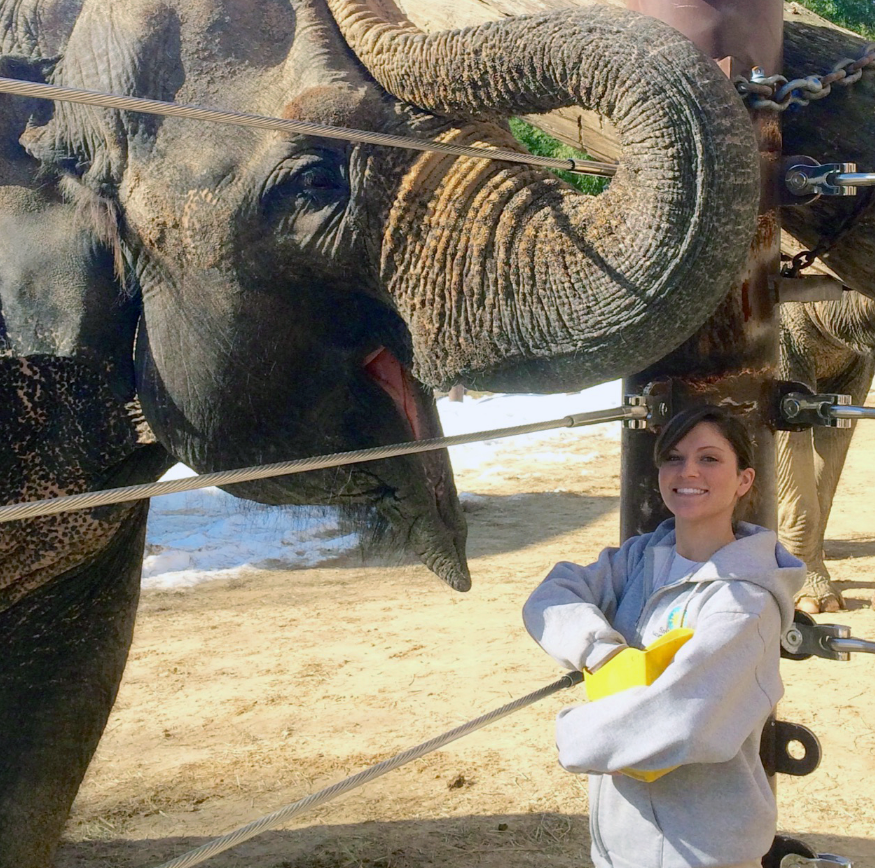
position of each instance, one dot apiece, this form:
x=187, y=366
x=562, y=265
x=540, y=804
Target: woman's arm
x=718, y=689
x=569, y=613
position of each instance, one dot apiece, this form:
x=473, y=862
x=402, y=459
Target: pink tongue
x=390, y=375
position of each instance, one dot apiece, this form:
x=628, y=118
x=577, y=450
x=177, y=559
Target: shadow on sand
x=492, y=841
x=843, y=549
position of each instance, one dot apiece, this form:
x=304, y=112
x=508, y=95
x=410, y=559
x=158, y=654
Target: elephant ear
x=63, y=432
x=111, y=54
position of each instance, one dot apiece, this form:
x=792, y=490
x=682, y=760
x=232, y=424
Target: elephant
x=69, y=586
x=238, y=296
x=69, y=583
x=830, y=347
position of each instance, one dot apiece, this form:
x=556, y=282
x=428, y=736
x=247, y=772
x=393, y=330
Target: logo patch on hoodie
x=676, y=617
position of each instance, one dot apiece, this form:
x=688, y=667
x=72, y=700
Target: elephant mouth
x=389, y=374
x=435, y=530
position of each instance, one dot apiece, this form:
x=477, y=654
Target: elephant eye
x=317, y=179
x=313, y=180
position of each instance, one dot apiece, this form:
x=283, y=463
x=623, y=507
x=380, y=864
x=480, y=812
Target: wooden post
x=733, y=358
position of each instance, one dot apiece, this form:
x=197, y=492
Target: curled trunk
x=838, y=128
x=508, y=278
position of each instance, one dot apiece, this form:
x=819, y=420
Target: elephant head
x=296, y=292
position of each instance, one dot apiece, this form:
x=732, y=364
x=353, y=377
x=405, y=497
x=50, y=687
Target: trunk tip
x=454, y=572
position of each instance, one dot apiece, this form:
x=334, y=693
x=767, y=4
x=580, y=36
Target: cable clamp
x=829, y=179
x=656, y=398
x=806, y=638
x=799, y=410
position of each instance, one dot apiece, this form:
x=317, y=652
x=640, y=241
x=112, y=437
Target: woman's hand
x=609, y=656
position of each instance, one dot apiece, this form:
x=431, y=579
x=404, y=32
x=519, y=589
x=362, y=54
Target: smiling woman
x=684, y=748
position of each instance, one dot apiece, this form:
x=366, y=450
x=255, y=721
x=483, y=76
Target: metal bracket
x=829, y=179
x=777, y=737
x=831, y=641
x=807, y=287
x=788, y=852
x=799, y=410
x=656, y=396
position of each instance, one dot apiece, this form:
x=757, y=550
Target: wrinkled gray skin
x=827, y=345
x=291, y=295
x=830, y=347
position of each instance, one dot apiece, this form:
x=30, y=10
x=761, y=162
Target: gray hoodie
x=705, y=713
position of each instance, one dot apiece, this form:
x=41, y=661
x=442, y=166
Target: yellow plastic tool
x=635, y=668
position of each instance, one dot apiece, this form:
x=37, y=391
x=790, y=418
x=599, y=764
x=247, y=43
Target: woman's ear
x=745, y=481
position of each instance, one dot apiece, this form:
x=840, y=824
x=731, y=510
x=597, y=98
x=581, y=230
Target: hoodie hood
x=756, y=556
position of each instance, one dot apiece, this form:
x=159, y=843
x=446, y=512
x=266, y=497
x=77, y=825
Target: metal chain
x=270, y=821
x=70, y=503
x=805, y=258
x=241, y=119
x=777, y=93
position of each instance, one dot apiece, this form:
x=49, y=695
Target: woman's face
x=700, y=482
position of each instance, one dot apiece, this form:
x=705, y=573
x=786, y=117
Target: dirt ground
x=242, y=696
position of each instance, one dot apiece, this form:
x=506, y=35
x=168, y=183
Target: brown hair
x=729, y=425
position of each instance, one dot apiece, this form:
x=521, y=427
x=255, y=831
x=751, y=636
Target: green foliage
x=538, y=142
x=857, y=15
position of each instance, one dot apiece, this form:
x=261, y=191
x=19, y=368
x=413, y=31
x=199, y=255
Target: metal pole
x=733, y=358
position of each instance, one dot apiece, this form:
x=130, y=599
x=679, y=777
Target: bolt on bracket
x=811, y=179
x=799, y=409
x=830, y=641
x=656, y=397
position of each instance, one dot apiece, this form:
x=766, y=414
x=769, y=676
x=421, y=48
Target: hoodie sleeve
x=568, y=613
x=721, y=685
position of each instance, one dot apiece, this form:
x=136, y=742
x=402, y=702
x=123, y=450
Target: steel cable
x=51, y=506
x=241, y=119
x=270, y=821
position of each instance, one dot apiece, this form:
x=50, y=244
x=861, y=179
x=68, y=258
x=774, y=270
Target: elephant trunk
x=530, y=284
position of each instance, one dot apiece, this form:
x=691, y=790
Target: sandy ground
x=243, y=696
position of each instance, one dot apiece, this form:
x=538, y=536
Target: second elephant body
x=830, y=347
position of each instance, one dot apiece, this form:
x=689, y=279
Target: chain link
x=805, y=258
x=778, y=93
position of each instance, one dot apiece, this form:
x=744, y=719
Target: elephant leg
x=800, y=522
x=63, y=648
x=831, y=444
